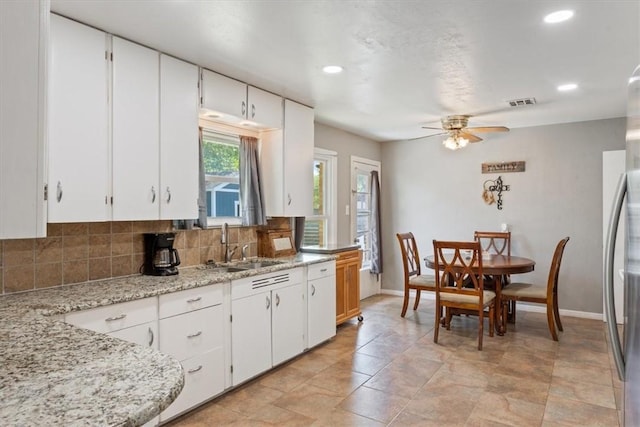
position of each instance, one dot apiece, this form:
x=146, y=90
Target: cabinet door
x=298, y=159
x=264, y=108
x=23, y=77
x=178, y=139
x=341, y=292
x=78, y=124
x=321, y=308
x=135, y=131
x=287, y=328
x=352, y=276
x=223, y=95
x=250, y=336
x=145, y=335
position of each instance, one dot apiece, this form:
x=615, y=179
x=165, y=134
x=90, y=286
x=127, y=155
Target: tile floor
x=388, y=372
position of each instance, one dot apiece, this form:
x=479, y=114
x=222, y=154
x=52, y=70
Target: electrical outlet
x=346, y=210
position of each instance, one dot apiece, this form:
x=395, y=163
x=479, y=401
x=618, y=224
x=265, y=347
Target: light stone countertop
x=56, y=374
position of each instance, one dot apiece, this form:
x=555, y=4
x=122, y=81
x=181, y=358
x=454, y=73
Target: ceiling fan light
x=558, y=16
x=450, y=143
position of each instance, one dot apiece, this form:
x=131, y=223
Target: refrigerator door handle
x=610, y=244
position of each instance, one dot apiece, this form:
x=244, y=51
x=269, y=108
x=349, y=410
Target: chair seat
x=423, y=280
x=487, y=296
x=525, y=290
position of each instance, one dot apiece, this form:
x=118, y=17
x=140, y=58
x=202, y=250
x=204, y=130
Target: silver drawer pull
x=313, y=290
x=194, y=300
x=151, y=337
x=323, y=270
x=197, y=334
x=191, y=371
x=120, y=317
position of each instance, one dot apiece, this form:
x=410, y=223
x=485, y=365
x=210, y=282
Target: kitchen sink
x=252, y=265
x=240, y=266
x=222, y=268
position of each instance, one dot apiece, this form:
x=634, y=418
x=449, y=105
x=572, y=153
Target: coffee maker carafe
x=160, y=258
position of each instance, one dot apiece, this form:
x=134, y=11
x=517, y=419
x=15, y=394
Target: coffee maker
x=160, y=258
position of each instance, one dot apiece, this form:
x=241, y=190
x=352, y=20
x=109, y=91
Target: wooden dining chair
x=413, y=279
x=497, y=243
x=460, y=285
x=547, y=295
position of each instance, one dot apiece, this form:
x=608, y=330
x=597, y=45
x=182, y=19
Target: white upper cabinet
x=231, y=101
x=264, y=108
x=23, y=78
x=179, y=159
x=135, y=127
x=287, y=159
x=78, y=123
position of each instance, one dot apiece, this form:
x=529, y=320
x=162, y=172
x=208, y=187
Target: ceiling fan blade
x=435, y=134
x=469, y=136
x=429, y=127
x=482, y=129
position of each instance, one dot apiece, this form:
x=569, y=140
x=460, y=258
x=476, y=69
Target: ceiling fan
x=459, y=134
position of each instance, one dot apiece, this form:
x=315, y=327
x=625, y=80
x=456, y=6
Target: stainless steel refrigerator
x=625, y=346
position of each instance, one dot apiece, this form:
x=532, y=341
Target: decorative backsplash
x=80, y=252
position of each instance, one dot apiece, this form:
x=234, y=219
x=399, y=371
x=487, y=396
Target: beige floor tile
x=404, y=378
x=340, y=417
x=285, y=378
x=271, y=415
x=507, y=410
x=313, y=362
x=210, y=415
x=565, y=412
x=515, y=387
x=583, y=392
x=340, y=380
x=583, y=372
x=374, y=404
x=248, y=399
x=446, y=403
x=364, y=363
x=310, y=400
x=407, y=419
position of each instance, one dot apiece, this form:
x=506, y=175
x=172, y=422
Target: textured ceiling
x=407, y=63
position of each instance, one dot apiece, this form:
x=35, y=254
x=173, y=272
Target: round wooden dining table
x=499, y=267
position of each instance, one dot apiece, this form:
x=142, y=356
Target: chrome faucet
x=224, y=239
x=244, y=252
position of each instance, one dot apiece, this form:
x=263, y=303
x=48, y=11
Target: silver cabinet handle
x=253, y=111
x=277, y=300
x=313, y=290
x=244, y=108
x=151, y=337
x=120, y=317
x=59, y=192
x=289, y=199
x=610, y=245
x=153, y=194
x=323, y=270
x=268, y=302
x=168, y=195
x=197, y=334
x=191, y=371
x=194, y=299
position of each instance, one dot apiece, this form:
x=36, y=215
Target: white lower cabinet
x=192, y=329
x=267, y=326
x=321, y=302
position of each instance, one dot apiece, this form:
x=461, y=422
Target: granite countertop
x=52, y=373
x=332, y=248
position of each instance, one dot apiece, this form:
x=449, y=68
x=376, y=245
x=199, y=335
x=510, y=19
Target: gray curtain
x=251, y=202
x=202, y=193
x=376, y=240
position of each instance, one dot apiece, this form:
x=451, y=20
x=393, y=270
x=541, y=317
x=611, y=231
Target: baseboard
x=521, y=305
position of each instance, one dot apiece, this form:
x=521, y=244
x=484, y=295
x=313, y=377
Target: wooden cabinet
x=267, y=326
x=321, y=302
x=348, y=286
x=79, y=166
x=23, y=78
x=288, y=179
x=135, y=131
x=179, y=159
x=192, y=331
x=231, y=101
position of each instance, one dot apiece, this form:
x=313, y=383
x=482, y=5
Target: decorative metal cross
x=499, y=187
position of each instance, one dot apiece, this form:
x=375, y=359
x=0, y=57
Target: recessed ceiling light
x=558, y=16
x=567, y=87
x=332, y=69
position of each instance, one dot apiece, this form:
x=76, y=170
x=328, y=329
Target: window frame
x=330, y=158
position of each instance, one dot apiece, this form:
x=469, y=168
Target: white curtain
x=376, y=240
x=251, y=202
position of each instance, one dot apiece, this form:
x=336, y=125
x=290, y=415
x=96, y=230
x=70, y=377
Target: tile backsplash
x=80, y=252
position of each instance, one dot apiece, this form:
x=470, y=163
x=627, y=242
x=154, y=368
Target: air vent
x=522, y=102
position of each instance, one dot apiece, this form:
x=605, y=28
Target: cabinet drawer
x=318, y=271
x=203, y=379
x=349, y=256
x=192, y=333
x=189, y=300
x=145, y=335
x=117, y=316
x=265, y=282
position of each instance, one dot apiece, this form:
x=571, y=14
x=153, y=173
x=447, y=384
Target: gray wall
x=346, y=145
x=436, y=194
